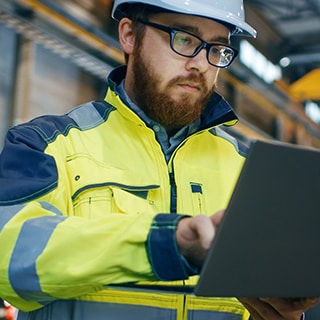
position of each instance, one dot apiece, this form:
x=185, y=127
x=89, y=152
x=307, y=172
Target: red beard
x=158, y=105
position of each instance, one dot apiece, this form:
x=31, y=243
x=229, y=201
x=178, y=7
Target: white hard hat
x=230, y=12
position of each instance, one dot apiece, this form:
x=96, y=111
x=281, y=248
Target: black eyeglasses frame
x=204, y=45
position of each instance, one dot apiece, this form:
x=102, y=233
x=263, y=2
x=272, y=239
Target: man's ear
x=126, y=35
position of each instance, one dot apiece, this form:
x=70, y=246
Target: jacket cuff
x=162, y=249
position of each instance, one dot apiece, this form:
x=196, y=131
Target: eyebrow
x=196, y=32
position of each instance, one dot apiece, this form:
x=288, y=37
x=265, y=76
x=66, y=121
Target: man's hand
x=278, y=308
x=194, y=236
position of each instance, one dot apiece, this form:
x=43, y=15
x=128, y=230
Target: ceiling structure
x=288, y=32
x=289, y=35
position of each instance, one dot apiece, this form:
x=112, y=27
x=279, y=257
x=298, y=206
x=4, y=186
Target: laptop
x=268, y=244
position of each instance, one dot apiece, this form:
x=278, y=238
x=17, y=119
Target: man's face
x=172, y=89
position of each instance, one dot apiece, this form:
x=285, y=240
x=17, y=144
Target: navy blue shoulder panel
x=26, y=172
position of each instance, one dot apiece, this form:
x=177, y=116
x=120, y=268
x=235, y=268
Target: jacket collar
x=217, y=112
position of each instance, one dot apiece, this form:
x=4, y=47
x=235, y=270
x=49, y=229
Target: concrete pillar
x=8, y=65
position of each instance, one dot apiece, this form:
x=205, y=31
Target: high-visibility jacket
x=88, y=203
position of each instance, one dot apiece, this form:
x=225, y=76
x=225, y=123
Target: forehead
x=200, y=26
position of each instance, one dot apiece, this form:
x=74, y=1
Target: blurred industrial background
x=57, y=54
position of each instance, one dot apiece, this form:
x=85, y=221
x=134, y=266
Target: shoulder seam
x=87, y=115
x=240, y=147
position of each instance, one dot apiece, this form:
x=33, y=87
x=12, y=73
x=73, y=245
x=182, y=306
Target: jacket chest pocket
x=98, y=189
x=96, y=201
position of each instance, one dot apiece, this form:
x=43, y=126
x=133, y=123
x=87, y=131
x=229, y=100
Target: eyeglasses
x=189, y=45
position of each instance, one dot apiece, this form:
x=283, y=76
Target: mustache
x=192, y=79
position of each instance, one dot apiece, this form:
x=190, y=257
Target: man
x=123, y=193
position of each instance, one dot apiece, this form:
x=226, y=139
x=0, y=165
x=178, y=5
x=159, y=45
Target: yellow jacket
x=88, y=201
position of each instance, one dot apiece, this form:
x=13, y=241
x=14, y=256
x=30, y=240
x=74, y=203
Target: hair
x=136, y=11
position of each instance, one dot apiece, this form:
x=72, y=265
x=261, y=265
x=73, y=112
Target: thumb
x=204, y=227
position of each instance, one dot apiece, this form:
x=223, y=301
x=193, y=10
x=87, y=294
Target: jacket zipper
x=173, y=198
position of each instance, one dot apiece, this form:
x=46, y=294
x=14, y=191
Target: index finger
x=217, y=218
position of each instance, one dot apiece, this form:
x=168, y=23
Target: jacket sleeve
x=47, y=253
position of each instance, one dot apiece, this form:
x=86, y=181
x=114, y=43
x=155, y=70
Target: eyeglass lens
x=188, y=45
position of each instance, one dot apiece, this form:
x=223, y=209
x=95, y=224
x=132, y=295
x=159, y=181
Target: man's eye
x=183, y=40
x=215, y=51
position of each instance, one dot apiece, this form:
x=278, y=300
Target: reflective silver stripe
x=48, y=206
x=215, y=315
x=22, y=270
x=86, y=116
x=7, y=213
x=85, y=310
x=221, y=133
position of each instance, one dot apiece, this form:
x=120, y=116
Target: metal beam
x=62, y=20
x=82, y=59
x=306, y=58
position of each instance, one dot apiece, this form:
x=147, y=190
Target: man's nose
x=199, y=62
